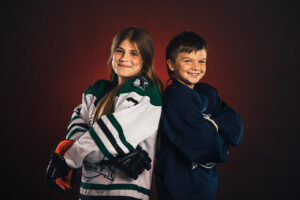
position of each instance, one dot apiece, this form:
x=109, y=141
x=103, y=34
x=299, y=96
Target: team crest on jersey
x=95, y=170
x=91, y=118
x=140, y=82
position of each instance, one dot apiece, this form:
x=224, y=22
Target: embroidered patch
x=140, y=82
x=94, y=170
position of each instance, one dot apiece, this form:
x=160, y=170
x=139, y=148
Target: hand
x=133, y=163
x=58, y=175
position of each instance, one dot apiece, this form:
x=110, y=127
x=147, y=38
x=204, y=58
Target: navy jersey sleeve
x=186, y=128
x=229, y=123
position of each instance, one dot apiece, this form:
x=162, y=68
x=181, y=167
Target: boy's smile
x=189, y=68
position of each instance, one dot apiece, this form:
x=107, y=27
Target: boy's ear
x=170, y=65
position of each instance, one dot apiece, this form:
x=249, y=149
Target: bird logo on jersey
x=93, y=170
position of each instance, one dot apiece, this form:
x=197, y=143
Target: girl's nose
x=124, y=57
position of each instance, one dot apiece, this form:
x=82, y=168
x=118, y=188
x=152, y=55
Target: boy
x=197, y=127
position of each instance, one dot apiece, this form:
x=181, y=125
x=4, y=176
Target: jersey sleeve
x=187, y=129
x=136, y=118
x=229, y=123
x=79, y=122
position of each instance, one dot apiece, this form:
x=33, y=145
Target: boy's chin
x=193, y=81
x=188, y=83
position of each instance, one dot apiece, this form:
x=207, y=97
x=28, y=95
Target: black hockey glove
x=133, y=163
x=59, y=176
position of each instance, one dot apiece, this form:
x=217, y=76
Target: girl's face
x=127, y=60
x=189, y=68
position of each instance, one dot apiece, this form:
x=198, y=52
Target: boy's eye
x=202, y=61
x=187, y=61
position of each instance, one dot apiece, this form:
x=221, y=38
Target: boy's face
x=189, y=68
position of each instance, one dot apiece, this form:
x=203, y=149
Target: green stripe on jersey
x=99, y=143
x=118, y=127
x=149, y=89
x=75, y=117
x=115, y=187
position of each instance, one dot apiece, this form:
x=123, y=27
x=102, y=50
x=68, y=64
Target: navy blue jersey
x=196, y=129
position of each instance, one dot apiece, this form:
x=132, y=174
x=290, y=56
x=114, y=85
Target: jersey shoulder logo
x=140, y=82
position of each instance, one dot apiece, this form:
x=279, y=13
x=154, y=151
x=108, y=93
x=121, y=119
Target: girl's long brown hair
x=144, y=43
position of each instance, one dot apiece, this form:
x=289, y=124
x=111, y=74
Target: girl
x=197, y=127
x=112, y=134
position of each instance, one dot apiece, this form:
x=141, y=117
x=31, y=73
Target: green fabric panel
x=150, y=90
x=99, y=143
x=118, y=127
x=97, y=88
x=115, y=187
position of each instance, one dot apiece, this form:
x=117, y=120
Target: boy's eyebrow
x=191, y=58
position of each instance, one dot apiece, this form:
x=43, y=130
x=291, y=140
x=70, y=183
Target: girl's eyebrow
x=120, y=48
x=129, y=49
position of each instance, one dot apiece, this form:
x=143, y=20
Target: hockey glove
x=59, y=176
x=133, y=163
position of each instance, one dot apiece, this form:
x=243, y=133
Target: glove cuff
x=63, y=146
x=61, y=168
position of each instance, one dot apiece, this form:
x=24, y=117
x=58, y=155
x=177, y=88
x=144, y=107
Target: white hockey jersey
x=134, y=122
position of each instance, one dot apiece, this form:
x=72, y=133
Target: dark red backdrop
x=51, y=52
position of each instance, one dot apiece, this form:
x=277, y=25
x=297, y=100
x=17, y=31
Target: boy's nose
x=196, y=67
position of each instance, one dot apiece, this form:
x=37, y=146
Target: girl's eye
x=119, y=51
x=133, y=53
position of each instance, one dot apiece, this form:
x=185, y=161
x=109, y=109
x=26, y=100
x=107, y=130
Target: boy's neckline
x=181, y=84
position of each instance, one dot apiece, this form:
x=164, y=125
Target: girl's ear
x=170, y=65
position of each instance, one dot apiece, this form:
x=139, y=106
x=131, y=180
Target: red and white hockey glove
x=59, y=176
